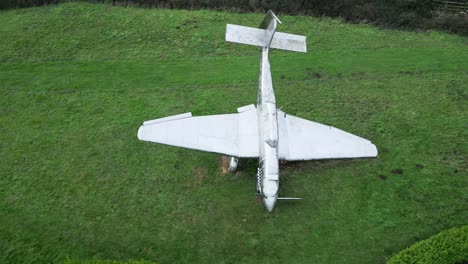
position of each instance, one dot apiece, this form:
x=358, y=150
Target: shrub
x=456, y=23
x=388, y=13
x=449, y=246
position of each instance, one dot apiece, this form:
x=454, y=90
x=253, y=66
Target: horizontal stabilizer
x=258, y=37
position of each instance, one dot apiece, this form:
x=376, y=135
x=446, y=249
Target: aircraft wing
x=230, y=134
x=301, y=139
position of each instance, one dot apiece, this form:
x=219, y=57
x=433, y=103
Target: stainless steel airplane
x=260, y=131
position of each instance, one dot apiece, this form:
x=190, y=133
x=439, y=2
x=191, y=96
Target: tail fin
x=257, y=37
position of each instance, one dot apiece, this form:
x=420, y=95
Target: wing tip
x=374, y=151
x=140, y=133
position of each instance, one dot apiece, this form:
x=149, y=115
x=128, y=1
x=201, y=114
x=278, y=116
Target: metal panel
x=301, y=139
x=267, y=19
x=249, y=107
x=245, y=35
x=259, y=37
x=248, y=133
x=285, y=41
x=231, y=134
x=270, y=33
x=168, y=118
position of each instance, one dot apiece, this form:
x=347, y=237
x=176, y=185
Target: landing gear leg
x=233, y=163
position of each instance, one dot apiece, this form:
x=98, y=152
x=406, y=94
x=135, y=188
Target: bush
x=388, y=13
x=449, y=246
x=456, y=23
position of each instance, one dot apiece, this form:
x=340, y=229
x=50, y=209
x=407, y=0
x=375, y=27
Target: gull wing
x=230, y=134
x=301, y=139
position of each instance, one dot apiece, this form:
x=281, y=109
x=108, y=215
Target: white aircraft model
x=261, y=131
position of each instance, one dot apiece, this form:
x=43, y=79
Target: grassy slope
x=76, y=81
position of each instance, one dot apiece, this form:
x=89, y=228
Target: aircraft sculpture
x=260, y=131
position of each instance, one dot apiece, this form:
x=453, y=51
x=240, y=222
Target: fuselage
x=268, y=171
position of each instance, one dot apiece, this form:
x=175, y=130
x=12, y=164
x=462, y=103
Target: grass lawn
x=77, y=80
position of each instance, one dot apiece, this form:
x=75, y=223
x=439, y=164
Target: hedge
x=449, y=246
x=388, y=13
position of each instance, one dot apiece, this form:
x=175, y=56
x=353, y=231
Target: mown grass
x=77, y=80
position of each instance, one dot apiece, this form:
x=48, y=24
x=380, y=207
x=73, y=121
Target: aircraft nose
x=269, y=203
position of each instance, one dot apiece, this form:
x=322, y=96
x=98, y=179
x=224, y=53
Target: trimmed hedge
x=449, y=246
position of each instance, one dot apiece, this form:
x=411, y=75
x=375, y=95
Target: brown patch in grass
x=287, y=164
x=199, y=175
x=397, y=171
x=240, y=173
x=225, y=164
x=317, y=75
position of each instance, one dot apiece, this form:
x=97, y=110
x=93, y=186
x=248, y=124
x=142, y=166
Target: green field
x=77, y=80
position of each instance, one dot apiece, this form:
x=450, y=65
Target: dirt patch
x=311, y=73
x=382, y=177
x=199, y=174
x=397, y=171
x=225, y=164
x=188, y=22
x=357, y=75
x=287, y=164
x=410, y=72
x=240, y=173
x=316, y=75
x=419, y=166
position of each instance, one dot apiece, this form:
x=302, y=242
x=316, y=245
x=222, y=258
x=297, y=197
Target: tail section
x=258, y=37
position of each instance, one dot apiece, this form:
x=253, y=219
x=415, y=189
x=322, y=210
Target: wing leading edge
x=237, y=135
x=230, y=134
x=301, y=139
